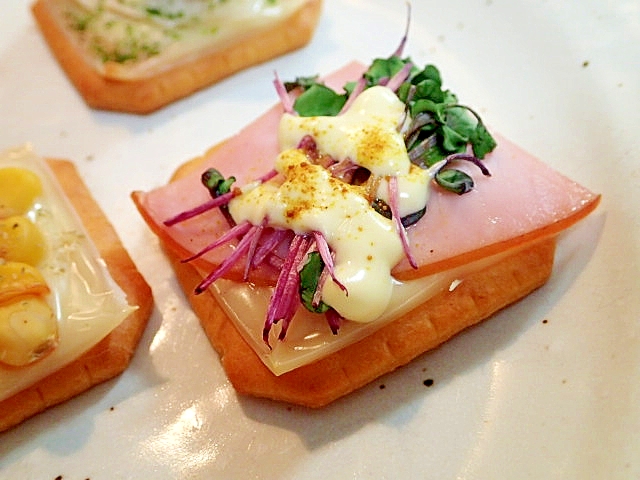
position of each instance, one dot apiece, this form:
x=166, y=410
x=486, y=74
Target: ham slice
x=523, y=201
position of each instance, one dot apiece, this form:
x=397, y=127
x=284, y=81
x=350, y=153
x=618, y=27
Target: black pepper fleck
x=585, y=64
x=428, y=382
x=382, y=386
x=545, y=321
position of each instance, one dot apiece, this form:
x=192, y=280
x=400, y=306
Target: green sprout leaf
x=319, y=100
x=454, y=180
x=309, y=277
x=481, y=141
x=216, y=183
x=383, y=68
x=301, y=82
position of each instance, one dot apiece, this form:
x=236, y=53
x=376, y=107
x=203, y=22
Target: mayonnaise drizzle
x=307, y=198
x=367, y=133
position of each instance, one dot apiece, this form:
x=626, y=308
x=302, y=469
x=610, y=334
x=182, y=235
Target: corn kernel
x=28, y=331
x=18, y=279
x=19, y=188
x=21, y=240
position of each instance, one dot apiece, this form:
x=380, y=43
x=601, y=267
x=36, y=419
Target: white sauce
x=86, y=301
x=366, y=244
x=367, y=133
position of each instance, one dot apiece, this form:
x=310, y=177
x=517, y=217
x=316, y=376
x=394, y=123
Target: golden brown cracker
x=478, y=296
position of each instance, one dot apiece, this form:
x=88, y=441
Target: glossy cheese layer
x=86, y=302
x=309, y=337
x=125, y=39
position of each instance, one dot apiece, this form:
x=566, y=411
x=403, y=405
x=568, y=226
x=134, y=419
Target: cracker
x=111, y=355
x=315, y=385
x=149, y=94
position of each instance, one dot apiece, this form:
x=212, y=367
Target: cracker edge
x=426, y=327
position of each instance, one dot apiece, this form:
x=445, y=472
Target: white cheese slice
x=87, y=302
x=309, y=337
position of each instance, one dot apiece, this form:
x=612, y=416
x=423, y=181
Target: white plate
x=512, y=398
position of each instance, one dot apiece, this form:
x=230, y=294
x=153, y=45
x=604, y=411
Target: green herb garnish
x=216, y=183
x=158, y=12
x=319, y=100
x=454, y=180
x=301, y=82
x=309, y=277
x=452, y=126
x=438, y=127
x=381, y=69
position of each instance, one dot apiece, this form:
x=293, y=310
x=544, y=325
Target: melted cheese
x=125, y=39
x=87, y=303
x=309, y=337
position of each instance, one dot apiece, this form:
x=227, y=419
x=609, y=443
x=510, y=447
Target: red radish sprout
x=228, y=262
x=211, y=204
x=395, y=213
x=226, y=237
x=327, y=258
x=284, y=300
x=285, y=99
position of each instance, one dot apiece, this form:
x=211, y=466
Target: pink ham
x=523, y=201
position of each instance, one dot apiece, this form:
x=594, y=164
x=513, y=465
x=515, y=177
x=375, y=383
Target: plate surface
x=515, y=397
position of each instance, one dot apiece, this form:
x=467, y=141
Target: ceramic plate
x=549, y=388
